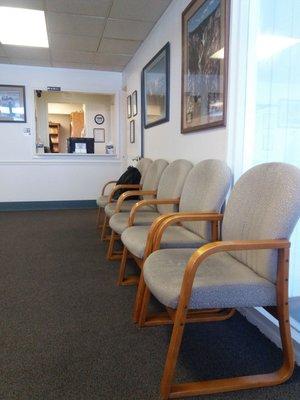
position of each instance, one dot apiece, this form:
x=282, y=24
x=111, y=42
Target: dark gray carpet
x=66, y=330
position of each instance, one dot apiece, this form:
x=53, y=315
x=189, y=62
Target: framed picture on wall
x=99, y=135
x=156, y=89
x=132, y=131
x=134, y=103
x=205, y=37
x=129, y=108
x=12, y=103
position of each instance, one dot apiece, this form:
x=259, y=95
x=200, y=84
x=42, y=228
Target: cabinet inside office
x=73, y=122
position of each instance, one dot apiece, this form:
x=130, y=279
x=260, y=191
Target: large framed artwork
x=205, y=37
x=156, y=89
x=12, y=103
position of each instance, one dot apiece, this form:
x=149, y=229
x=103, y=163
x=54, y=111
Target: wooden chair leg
x=173, y=352
x=122, y=266
x=139, y=299
x=104, y=228
x=99, y=217
x=110, y=250
x=144, y=307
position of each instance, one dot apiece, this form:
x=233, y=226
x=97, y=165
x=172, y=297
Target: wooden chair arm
x=213, y=218
x=132, y=193
x=125, y=186
x=105, y=186
x=207, y=250
x=144, y=203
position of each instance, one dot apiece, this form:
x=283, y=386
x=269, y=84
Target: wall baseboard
x=269, y=327
x=47, y=205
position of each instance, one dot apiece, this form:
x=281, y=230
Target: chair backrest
x=171, y=184
x=142, y=165
x=205, y=189
x=264, y=204
x=153, y=175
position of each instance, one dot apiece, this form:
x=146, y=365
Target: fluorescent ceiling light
x=23, y=27
x=268, y=45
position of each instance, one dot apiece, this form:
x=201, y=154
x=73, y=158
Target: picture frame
x=134, y=105
x=99, y=135
x=132, y=131
x=12, y=103
x=156, y=89
x=205, y=50
x=129, y=107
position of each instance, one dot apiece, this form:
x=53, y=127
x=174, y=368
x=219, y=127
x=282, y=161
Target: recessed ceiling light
x=23, y=27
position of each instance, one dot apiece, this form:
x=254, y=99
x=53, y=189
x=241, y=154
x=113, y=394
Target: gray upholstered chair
x=147, y=190
x=247, y=268
x=110, y=188
x=205, y=190
x=167, y=200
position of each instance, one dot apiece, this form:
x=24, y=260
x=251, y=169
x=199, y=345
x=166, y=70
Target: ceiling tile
x=72, y=56
x=117, y=46
x=109, y=68
x=31, y=61
x=27, y=53
x=4, y=60
x=118, y=60
x=138, y=9
x=74, y=24
x=128, y=30
x=73, y=42
x=58, y=64
x=33, y=4
x=84, y=7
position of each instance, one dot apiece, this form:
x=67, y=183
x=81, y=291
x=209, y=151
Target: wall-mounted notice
x=53, y=88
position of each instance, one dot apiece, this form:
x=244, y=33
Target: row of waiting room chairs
x=202, y=264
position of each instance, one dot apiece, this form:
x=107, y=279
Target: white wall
x=24, y=177
x=165, y=140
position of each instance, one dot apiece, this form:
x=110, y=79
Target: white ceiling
x=87, y=34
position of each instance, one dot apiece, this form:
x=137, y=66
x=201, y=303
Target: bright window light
x=23, y=27
x=218, y=54
x=268, y=45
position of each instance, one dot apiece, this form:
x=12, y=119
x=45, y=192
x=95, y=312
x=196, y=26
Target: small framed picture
x=99, y=135
x=129, y=109
x=132, y=131
x=12, y=103
x=134, y=103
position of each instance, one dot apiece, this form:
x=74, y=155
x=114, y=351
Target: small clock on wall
x=99, y=119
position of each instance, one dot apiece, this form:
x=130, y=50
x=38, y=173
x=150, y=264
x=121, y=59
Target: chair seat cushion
x=102, y=201
x=135, y=239
x=119, y=222
x=221, y=281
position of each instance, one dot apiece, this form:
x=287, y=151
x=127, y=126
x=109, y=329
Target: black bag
x=131, y=176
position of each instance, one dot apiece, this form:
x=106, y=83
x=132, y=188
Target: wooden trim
x=214, y=218
x=105, y=226
x=111, y=255
x=169, y=390
x=118, y=187
x=144, y=203
x=193, y=316
x=105, y=186
x=132, y=193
